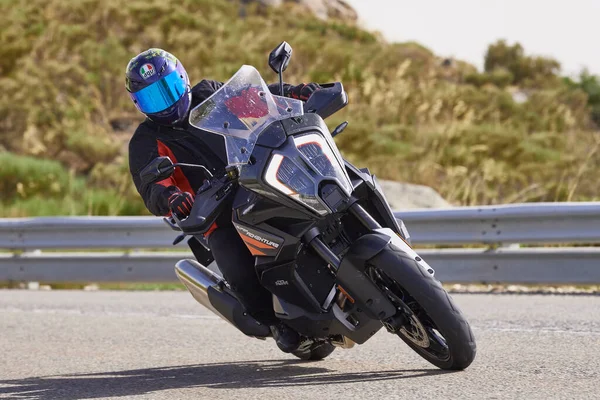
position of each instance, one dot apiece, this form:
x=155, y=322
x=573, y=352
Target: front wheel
x=428, y=321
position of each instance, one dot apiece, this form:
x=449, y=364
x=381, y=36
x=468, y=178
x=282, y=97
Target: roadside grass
x=30, y=186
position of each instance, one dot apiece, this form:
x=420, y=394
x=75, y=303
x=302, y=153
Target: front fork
x=313, y=240
x=350, y=273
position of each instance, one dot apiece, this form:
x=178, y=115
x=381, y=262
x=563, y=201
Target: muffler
x=209, y=290
x=197, y=279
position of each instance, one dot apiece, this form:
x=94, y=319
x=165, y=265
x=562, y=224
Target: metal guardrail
x=500, y=226
x=519, y=223
x=539, y=265
x=85, y=233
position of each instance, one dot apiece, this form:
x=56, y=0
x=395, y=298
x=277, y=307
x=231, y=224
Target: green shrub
x=30, y=186
x=90, y=202
x=24, y=177
x=500, y=77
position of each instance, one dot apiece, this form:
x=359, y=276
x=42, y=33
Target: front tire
x=430, y=311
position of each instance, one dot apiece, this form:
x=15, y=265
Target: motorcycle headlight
x=320, y=155
x=284, y=175
x=299, y=170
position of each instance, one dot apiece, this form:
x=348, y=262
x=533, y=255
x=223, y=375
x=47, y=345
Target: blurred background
x=470, y=100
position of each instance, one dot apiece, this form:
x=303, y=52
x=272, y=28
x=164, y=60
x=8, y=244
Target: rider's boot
x=286, y=338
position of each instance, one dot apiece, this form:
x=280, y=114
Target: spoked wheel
x=428, y=321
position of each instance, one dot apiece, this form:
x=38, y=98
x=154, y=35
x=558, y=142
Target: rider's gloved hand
x=302, y=91
x=180, y=204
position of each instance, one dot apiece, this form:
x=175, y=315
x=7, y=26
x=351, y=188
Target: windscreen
x=240, y=110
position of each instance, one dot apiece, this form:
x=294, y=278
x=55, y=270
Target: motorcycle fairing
x=284, y=281
x=321, y=325
x=367, y=187
x=259, y=243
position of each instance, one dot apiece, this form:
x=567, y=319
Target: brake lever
x=173, y=225
x=207, y=184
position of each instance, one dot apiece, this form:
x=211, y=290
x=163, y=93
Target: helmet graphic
x=159, y=86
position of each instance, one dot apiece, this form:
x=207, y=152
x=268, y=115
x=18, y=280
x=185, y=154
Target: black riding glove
x=302, y=91
x=180, y=204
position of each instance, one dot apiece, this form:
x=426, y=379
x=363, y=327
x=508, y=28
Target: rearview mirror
x=280, y=57
x=158, y=169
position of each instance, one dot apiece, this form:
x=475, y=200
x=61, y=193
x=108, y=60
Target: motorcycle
x=327, y=245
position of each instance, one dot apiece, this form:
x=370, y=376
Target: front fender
x=403, y=245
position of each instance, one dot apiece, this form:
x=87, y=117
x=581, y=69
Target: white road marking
x=540, y=330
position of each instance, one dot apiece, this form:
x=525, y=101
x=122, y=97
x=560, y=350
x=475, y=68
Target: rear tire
x=438, y=311
x=318, y=351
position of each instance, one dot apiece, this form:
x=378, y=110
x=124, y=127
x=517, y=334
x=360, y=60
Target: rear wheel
x=317, y=351
x=427, y=320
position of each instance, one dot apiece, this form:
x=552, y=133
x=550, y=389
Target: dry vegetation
x=65, y=116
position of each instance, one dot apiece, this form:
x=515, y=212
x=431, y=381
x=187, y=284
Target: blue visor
x=161, y=94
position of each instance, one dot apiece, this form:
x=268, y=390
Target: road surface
x=162, y=345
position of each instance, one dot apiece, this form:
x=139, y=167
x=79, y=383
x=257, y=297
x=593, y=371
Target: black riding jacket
x=152, y=140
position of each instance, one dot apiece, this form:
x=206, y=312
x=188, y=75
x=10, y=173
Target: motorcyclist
x=159, y=87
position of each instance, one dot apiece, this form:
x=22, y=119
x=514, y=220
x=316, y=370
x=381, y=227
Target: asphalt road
x=161, y=345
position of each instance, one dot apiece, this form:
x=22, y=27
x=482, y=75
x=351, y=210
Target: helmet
x=159, y=86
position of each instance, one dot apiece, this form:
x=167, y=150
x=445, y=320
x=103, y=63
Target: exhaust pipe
x=208, y=289
x=197, y=279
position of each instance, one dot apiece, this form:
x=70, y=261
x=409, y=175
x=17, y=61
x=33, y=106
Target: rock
x=271, y=3
x=323, y=9
x=45, y=287
x=520, y=97
x=33, y=285
x=341, y=10
x=318, y=7
x=91, y=287
x=402, y=196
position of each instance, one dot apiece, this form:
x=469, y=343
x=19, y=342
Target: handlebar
x=210, y=175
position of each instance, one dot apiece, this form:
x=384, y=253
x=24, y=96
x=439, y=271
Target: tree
x=526, y=70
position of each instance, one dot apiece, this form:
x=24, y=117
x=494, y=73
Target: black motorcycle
x=327, y=245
